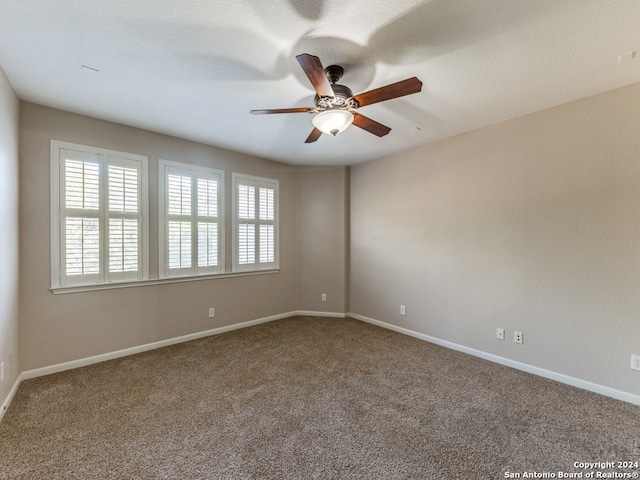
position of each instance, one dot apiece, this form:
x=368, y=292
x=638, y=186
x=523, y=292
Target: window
x=98, y=215
x=255, y=223
x=191, y=212
x=100, y=221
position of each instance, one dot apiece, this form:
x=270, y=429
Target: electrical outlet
x=517, y=337
x=212, y=312
x=500, y=333
x=403, y=310
x=635, y=362
x=324, y=297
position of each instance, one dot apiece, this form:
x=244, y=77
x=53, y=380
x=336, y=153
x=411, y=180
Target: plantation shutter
x=192, y=212
x=99, y=220
x=246, y=224
x=255, y=243
x=125, y=219
x=80, y=221
x=179, y=222
x=208, y=222
x=267, y=226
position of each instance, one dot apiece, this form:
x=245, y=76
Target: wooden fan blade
x=280, y=110
x=315, y=71
x=394, y=90
x=369, y=125
x=313, y=136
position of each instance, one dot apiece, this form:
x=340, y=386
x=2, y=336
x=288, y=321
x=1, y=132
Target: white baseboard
x=308, y=313
x=61, y=367
x=9, y=399
x=541, y=372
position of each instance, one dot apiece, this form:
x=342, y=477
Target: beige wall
x=322, y=238
x=9, y=327
x=61, y=328
x=530, y=225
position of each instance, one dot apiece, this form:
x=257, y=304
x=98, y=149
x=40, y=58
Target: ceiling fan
x=336, y=104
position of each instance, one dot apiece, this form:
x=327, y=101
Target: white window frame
x=59, y=212
x=239, y=179
x=194, y=172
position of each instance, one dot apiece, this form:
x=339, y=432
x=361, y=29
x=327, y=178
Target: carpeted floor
x=309, y=398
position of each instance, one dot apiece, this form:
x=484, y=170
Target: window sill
x=155, y=281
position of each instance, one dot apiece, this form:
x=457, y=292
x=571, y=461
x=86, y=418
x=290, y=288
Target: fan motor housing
x=343, y=98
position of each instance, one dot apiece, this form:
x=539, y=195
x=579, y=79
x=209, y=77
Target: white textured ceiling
x=194, y=68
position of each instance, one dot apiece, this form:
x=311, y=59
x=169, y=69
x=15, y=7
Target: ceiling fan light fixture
x=332, y=122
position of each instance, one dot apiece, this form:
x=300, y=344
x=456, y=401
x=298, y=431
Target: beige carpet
x=308, y=398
